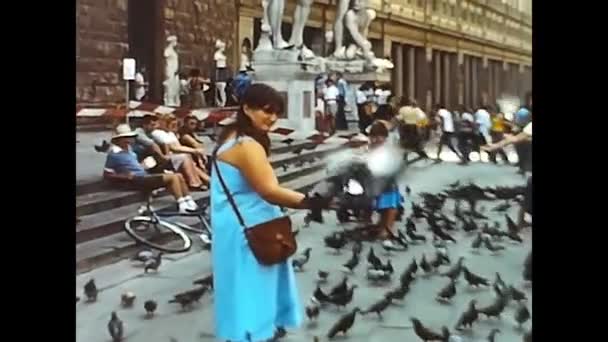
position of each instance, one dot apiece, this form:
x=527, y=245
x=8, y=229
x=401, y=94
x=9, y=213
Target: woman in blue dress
x=252, y=302
x=390, y=200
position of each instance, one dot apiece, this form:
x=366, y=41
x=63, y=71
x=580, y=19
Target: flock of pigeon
x=442, y=229
x=151, y=262
x=379, y=273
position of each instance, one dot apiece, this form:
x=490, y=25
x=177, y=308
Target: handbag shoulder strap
x=225, y=187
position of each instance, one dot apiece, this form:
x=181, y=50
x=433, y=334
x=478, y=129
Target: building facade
x=449, y=51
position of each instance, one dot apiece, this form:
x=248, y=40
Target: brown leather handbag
x=271, y=242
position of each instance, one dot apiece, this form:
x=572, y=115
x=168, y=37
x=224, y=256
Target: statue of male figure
x=171, y=82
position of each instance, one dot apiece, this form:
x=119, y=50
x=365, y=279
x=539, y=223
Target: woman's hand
x=316, y=202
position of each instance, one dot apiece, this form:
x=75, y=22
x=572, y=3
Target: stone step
x=118, y=246
x=106, y=222
x=277, y=155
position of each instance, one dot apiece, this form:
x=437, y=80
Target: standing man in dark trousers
x=342, y=89
x=466, y=134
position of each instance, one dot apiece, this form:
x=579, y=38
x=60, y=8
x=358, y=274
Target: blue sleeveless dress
x=250, y=299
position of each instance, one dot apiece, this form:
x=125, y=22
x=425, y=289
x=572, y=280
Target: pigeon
x=313, y=216
x=342, y=287
x=409, y=225
x=103, y=148
x=499, y=282
x=150, y=307
x=424, y=333
x=390, y=247
x=522, y=315
x=516, y=294
x=527, y=272
x=511, y=226
x=442, y=235
x=312, y=312
x=514, y=236
x=197, y=293
x=406, y=279
x=502, y=207
x=468, y=317
x=493, y=232
x=398, y=293
x=335, y=241
x=492, y=335
x=477, y=242
x=372, y=260
x=288, y=141
x=299, y=261
x=351, y=263
x=343, y=298
x=454, y=185
x=183, y=299
x=412, y=267
x=205, y=281
x=298, y=151
x=439, y=260
x=438, y=243
x=90, y=290
x=127, y=299
x=143, y=255
x=343, y=324
x=447, y=292
x=426, y=267
x=378, y=274
x=474, y=279
x=491, y=247
x=319, y=296
x=378, y=307
x=154, y=263
x=469, y=225
x=116, y=328
x=477, y=215
x=357, y=247
x=322, y=276
x=285, y=167
x=496, y=308
x=454, y=272
x=388, y=267
x=417, y=211
x=415, y=237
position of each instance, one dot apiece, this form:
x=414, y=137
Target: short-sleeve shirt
x=164, y=138
x=331, y=93
x=410, y=115
x=482, y=117
x=143, y=138
x=123, y=161
x=448, y=121
x=361, y=97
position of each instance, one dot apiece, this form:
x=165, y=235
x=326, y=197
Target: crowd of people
x=160, y=153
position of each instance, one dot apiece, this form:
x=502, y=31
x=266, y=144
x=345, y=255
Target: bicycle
x=146, y=227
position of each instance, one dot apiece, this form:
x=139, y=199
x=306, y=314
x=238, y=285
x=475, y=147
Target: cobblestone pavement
x=178, y=271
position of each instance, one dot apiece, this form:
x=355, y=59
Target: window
x=452, y=10
x=435, y=5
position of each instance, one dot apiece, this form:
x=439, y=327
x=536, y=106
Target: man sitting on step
x=122, y=168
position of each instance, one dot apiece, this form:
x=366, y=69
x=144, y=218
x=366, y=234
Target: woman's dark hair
x=378, y=129
x=257, y=96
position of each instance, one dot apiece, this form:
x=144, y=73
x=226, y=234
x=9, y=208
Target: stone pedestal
x=356, y=80
x=295, y=80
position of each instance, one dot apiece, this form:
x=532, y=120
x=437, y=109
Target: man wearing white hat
x=123, y=168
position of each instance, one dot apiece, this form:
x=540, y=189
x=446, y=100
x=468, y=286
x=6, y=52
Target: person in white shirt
x=331, y=100
x=466, y=133
x=409, y=118
x=382, y=94
x=140, y=84
x=447, y=132
x=484, y=125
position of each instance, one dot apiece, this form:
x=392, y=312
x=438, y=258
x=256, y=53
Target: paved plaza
x=178, y=271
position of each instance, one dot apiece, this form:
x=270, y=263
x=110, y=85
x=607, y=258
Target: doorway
x=146, y=33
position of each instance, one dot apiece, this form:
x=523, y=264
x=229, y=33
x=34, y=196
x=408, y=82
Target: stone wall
x=102, y=41
x=197, y=24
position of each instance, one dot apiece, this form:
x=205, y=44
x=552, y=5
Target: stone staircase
x=100, y=238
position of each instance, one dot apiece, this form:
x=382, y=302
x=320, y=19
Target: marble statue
x=171, y=83
x=300, y=16
x=221, y=73
x=273, y=13
x=356, y=21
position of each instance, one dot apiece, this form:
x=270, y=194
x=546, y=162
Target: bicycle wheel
x=158, y=234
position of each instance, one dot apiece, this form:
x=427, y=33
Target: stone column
x=424, y=74
x=411, y=71
x=399, y=69
x=436, y=96
x=474, y=82
x=467, y=81
x=446, y=80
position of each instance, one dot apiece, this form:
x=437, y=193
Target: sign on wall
x=128, y=69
